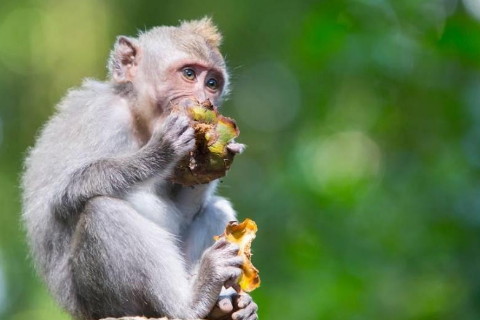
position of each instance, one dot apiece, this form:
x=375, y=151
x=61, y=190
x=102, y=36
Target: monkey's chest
x=157, y=209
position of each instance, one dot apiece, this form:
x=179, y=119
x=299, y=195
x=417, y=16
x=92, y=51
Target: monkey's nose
x=201, y=95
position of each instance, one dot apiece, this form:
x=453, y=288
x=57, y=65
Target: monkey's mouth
x=186, y=102
x=214, y=133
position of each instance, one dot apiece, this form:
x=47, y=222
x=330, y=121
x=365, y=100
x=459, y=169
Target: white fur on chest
x=156, y=208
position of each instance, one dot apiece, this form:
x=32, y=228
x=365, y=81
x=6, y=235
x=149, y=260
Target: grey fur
x=109, y=234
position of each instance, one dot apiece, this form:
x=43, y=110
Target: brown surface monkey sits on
x=110, y=235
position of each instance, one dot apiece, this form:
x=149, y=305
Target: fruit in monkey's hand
x=243, y=234
x=214, y=144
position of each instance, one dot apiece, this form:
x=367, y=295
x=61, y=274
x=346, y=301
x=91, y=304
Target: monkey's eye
x=188, y=73
x=212, y=84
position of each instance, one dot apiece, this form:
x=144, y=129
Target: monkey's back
x=90, y=123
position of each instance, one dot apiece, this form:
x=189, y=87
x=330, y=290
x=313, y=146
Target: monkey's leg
x=122, y=264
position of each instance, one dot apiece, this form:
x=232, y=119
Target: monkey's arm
x=114, y=176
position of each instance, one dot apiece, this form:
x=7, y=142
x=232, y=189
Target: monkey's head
x=167, y=64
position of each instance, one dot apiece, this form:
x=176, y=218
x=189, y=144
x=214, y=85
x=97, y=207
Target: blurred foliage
x=363, y=173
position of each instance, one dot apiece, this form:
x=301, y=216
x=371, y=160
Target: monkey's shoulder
x=90, y=123
x=95, y=100
x=90, y=115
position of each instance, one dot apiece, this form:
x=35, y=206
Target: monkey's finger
x=247, y=313
x=242, y=300
x=232, y=274
x=236, y=287
x=253, y=317
x=225, y=304
x=227, y=248
x=229, y=283
x=218, y=314
x=220, y=243
x=233, y=284
x=232, y=249
x=232, y=281
x=236, y=147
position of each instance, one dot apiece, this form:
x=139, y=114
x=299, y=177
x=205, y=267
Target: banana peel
x=211, y=158
x=243, y=234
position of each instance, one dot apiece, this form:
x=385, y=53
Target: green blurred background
x=362, y=119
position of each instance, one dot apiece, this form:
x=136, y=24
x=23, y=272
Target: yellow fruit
x=243, y=234
x=213, y=132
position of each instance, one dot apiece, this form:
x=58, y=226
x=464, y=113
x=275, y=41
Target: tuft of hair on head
x=205, y=28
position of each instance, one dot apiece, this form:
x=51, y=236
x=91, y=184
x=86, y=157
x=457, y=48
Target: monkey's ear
x=124, y=59
x=205, y=28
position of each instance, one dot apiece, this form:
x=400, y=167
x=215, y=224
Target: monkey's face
x=187, y=78
x=168, y=64
x=176, y=68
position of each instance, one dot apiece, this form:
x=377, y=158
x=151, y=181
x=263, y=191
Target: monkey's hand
x=172, y=139
x=220, y=266
x=223, y=262
x=233, y=305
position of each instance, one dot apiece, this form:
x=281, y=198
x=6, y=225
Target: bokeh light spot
x=343, y=158
x=267, y=96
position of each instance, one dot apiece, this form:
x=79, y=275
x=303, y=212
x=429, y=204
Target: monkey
x=108, y=231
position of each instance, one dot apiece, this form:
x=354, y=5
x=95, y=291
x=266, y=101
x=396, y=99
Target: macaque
x=110, y=234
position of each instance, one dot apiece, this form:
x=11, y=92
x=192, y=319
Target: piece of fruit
x=243, y=235
x=211, y=158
